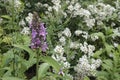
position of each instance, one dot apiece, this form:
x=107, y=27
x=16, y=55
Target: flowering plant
x=79, y=40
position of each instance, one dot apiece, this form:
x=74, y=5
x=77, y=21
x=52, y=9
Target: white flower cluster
x=17, y=3
x=29, y=18
x=59, y=49
x=84, y=34
x=67, y=32
x=90, y=22
x=62, y=60
x=74, y=45
x=87, y=49
x=75, y=8
x=62, y=40
x=86, y=66
x=94, y=37
x=22, y=23
x=101, y=10
x=56, y=5
x=116, y=32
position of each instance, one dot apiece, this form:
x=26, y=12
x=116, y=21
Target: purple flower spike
x=38, y=35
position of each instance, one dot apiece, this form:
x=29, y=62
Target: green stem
x=11, y=32
x=37, y=64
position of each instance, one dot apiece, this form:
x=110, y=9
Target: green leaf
x=108, y=48
x=102, y=73
x=42, y=70
x=26, y=48
x=108, y=64
x=52, y=62
x=86, y=78
x=6, y=17
x=11, y=78
x=98, y=53
x=101, y=35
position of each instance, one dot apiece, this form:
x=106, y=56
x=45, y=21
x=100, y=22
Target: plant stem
x=11, y=32
x=37, y=64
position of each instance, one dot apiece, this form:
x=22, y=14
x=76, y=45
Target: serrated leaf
x=108, y=64
x=52, y=63
x=98, y=53
x=108, y=48
x=42, y=70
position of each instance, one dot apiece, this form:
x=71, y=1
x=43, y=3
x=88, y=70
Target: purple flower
x=38, y=36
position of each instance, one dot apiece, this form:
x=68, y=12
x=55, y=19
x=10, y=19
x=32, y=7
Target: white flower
x=49, y=8
x=84, y=12
x=116, y=32
x=87, y=49
x=67, y=1
x=85, y=34
x=65, y=14
x=57, y=7
x=70, y=7
x=94, y=37
x=67, y=32
x=90, y=22
x=25, y=31
x=99, y=23
x=62, y=60
x=62, y=40
x=59, y=49
x=22, y=23
x=115, y=44
x=66, y=64
x=17, y=3
x=87, y=66
x=78, y=32
x=45, y=5
x=77, y=6
x=56, y=2
x=29, y=18
x=74, y=45
x=92, y=8
x=91, y=48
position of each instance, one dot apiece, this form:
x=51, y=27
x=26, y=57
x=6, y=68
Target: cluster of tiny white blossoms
x=26, y=30
x=59, y=57
x=94, y=37
x=87, y=66
x=62, y=40
x=116, y=32
x=62, y=60
x=17, y=3
x=84, y=34
x=74, y=45
x=29, y=18
x=67, y=32
x=87, y=49
x=100, y=11
x=56, y=5
x=59, y=49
